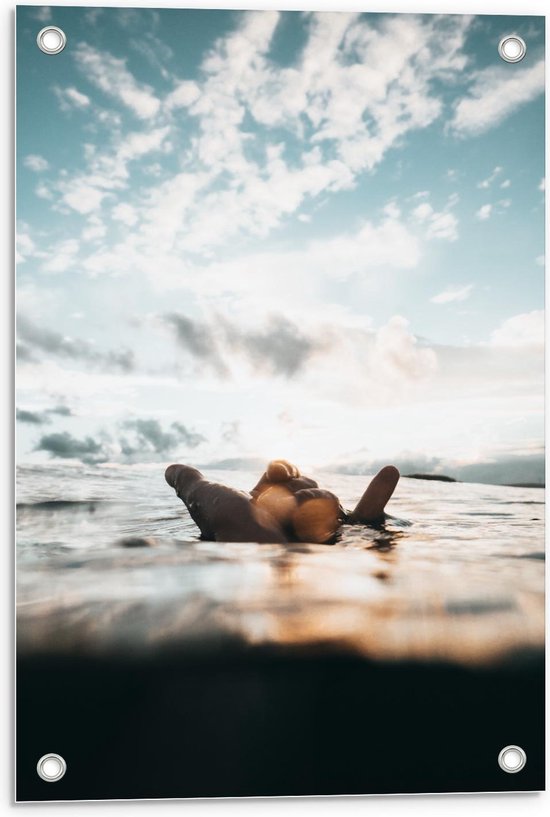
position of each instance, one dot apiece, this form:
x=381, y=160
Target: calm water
x=452, y=550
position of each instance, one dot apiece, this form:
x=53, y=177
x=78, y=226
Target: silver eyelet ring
x=512, y=759
x=512, y=48
x=51, y=767
x=51, y=40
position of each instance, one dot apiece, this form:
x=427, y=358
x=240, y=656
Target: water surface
x=108, y=556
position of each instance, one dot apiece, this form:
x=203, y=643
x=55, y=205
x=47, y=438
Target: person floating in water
x=283, y=507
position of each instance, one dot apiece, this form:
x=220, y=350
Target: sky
x=261, y=234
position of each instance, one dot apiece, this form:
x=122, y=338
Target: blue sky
x=318, y=236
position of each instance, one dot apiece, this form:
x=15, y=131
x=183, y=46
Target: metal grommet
x=51, y=767
x=512, y=48
x=51, y=40
x=512, y=759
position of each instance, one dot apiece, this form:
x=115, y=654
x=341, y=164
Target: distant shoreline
x=435, y=477
x=444, y=478
x=525, y=485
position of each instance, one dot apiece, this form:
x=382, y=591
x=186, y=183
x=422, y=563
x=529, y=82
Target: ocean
x=398, y=659
x=450, y=551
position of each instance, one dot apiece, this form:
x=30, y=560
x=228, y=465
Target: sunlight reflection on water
x=452, y=554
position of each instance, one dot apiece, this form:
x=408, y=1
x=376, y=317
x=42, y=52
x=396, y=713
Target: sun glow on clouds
x=209, y=227
x=521, y=330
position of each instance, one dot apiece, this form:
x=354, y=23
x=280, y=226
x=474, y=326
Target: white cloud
x=359, y=367
x=505, y=184
x=168, y=207
x=540, y=260
x=36, y=163
x=62, y=256
x=154, y=49
x=255, y=205
x=452, y=294
x=70, y=98
x=388, y=82
x=125, y=213
x=108, y=171
x=183, y=95
x=139, y=143
x=542, y=185
x=484, y=212
x=452, y=201
x=423, y=211
x=25, y=247
x=444, y=226
x=42, y=13
x=388, y=244
x=43, y=191
x=438, y=225
x=110, y=119
x=244, y=184
x=487, y=210
x=95, y=229
x=494, y=95
x=392, y=210
x=112, y=77
x=255, y=279
x=526, y=329
x=78, y=99
x=398, y=355
x=334, y=95
x=485, y=183
x=115, y=260
x=82, y=197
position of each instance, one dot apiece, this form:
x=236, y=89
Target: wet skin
x=283, y=506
